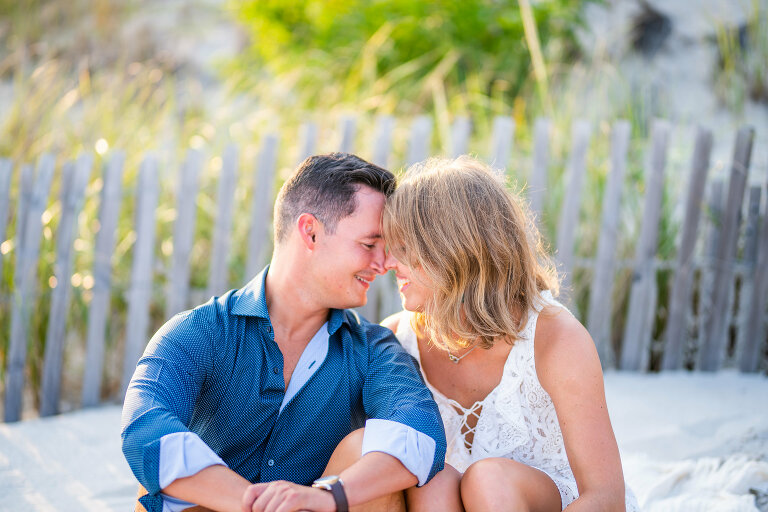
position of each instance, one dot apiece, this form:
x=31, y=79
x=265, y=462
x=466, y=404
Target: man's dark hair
x=325, y=186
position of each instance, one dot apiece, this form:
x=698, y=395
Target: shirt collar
x=251, y=300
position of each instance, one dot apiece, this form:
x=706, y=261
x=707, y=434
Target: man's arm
x=158, y=406
x=404, y=420
x=376, y=474
x=215, y=487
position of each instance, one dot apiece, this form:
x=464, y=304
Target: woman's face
x=412, y=283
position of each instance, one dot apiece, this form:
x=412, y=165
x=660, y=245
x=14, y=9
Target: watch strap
x=335, y=486
x=339, y=496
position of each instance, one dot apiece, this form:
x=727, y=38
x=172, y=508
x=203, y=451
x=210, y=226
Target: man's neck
x=290, y=306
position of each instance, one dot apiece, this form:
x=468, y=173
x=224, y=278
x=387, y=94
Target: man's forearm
x=215, y=487
x=376, y=474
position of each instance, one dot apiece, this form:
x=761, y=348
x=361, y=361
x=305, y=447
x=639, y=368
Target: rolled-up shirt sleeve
x=183, y=454
x=394, y=391
x=414, y=449
x=161, y=396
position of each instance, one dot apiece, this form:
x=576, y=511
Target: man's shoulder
x=209, y=317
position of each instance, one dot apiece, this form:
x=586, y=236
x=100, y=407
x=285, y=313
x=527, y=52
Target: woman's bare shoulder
x=563, y=346
x=556, y=325
x=393, y=321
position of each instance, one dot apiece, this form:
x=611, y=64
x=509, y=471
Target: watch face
x=327, y=480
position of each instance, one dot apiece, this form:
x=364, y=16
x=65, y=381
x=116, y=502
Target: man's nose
x=379, y=263
x=389, y=261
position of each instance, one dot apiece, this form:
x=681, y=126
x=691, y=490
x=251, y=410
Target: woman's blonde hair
x=477, y=245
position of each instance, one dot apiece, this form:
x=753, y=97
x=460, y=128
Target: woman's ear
x=308, y=226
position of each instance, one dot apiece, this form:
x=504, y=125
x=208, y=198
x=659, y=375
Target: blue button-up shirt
x=217, y=371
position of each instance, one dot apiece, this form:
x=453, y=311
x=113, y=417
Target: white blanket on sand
x=689, y=443
x=708, y=484
x=693, y=442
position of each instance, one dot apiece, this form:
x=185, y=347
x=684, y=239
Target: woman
x=516, y=376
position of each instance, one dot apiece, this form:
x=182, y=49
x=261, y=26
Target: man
x=259, y=386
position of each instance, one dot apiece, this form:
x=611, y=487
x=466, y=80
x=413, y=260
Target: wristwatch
x=335, y=486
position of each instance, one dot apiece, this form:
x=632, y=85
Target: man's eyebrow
x=373, y=235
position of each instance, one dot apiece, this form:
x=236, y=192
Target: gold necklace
x=457, y=359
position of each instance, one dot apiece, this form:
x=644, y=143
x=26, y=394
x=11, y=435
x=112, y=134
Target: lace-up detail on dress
x=468, y=424
x=516, y=420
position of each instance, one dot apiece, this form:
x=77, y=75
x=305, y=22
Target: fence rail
x=715, y=315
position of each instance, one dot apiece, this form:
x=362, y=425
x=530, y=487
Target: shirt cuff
x=171, y=504
x=182, y=454
x=414, y=449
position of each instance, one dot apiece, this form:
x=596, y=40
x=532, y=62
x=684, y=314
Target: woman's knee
x=487, y=472
x=440, y=493
x=490, y=484
x=347, y=452
x=503, y=484
x=353, y=442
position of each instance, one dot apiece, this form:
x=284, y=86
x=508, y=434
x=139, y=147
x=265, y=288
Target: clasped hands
x=281, y=496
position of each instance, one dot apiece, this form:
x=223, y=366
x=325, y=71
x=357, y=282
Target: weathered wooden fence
x=715, y=314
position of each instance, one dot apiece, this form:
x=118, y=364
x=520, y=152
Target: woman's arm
x=569, y=369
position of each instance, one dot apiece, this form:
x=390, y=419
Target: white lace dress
x=516, y=420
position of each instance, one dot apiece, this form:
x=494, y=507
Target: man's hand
x=280, y=496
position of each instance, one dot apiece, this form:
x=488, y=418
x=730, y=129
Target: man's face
x=347, y=261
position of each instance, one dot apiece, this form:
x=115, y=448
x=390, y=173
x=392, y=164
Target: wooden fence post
x=348, y=129
x=682, y=285
x=752, y=226
x=715, y=207
x=540, y=170
x=381, y=291
x=6, y=171
x=569, y=212
x=715, y=339
x=74, y=181
x=140, y=292
x=261, y=205
x=601, y=291
x=747, y=268
x=460, y=131
x=421, y=137
x=308, y=141
x=183, y=233
x=26, y=189
x=382, y=142
x=750, y=346
x=502, y=139
x=29, y=228
x=98, y=310
x=637, y=332
x=218, y=275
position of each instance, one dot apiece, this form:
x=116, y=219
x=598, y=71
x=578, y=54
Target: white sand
x=689, y=442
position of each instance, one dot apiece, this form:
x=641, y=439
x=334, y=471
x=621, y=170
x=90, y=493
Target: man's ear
x=308, y=227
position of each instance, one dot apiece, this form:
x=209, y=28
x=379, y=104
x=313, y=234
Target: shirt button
x=271, y=462
x=275, y=370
